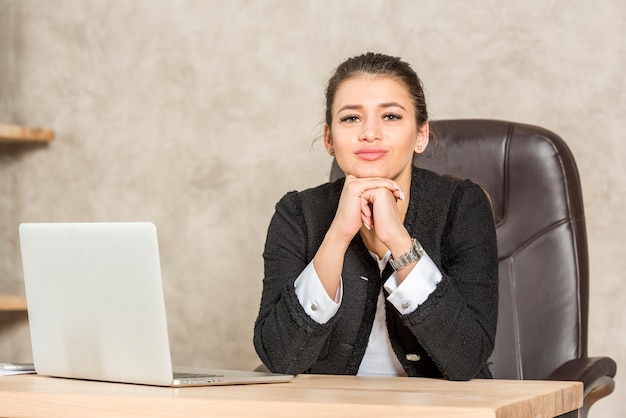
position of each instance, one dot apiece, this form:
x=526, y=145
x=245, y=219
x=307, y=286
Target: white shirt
x=379, y=358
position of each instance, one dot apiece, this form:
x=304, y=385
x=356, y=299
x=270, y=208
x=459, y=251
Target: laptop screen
x=95, y=301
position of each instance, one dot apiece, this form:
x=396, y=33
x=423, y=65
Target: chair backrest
x=532, y=179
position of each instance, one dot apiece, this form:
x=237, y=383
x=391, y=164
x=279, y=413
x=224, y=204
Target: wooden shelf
x=20, y=134
x=12, y=303
x=17, y=133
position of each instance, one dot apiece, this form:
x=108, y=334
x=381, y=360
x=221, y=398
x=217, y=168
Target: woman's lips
x=370, y=154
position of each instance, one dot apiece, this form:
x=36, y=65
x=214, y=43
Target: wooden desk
x=307, y=396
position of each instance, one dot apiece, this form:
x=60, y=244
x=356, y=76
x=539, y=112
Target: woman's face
x=374, y=131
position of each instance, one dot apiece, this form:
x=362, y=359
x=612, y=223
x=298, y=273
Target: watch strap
x=414, y=254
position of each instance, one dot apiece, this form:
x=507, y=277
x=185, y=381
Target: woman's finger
x=366, y=213
x=362, y=185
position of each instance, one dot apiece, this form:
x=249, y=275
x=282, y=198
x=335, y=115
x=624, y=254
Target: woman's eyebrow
x=392, y=104
x=350, y=107
x=358, y=107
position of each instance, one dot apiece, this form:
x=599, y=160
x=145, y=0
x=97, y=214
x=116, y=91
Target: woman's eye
x=392, y=116
x=349, y=119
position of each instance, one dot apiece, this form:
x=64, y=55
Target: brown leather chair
x=532, y=179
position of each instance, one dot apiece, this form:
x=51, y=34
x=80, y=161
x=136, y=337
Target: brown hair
x=379, y=65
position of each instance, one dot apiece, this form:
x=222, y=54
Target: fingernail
x=401, y=195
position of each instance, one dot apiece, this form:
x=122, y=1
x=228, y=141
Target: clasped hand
x=370, y=202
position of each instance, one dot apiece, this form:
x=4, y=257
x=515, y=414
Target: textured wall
x=199, y=115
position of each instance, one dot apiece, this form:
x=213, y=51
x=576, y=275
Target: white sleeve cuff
x=314, y=298
x=415, y=288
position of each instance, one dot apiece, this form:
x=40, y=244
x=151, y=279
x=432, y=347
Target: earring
x=419, y=147
x=331, y=152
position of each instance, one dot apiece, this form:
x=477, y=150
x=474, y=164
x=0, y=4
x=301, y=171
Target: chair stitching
x=505, y=171
x=516, y=326
x=535, y=237
x=580, y=349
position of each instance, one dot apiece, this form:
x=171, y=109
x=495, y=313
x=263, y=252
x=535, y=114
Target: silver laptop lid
x=95, y=301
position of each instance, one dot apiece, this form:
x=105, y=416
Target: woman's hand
x=369, y=202
x=386, y=221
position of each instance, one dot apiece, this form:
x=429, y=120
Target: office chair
x=532, y=179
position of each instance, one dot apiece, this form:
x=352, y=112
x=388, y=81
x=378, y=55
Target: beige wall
x=199, y=115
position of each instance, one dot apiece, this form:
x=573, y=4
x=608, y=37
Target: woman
x=392, y=270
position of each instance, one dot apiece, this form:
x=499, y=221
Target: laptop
x=96, y=309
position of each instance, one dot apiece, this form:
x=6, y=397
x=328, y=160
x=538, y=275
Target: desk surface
x=307, y=395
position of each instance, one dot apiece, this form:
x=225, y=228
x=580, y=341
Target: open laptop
x=96, y=309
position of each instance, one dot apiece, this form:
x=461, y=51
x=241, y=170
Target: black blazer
x=450, y=335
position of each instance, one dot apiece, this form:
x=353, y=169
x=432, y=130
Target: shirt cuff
x=314, y=298
x=415, y=288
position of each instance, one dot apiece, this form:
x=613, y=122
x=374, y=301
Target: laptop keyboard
x=181, y=375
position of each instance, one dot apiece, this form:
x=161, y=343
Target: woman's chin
x=368, y=172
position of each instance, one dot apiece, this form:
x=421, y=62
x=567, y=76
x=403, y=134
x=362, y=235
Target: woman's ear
x=423, y=134
x=328, y=141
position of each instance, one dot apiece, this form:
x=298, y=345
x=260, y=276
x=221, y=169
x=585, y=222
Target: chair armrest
x=596, y=374
x=586, y=370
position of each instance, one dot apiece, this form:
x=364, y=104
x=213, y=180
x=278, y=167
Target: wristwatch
x=414, y=254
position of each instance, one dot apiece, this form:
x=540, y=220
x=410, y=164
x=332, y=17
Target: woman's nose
x=371, y=131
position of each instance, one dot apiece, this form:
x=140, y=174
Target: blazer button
x=413, y=357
